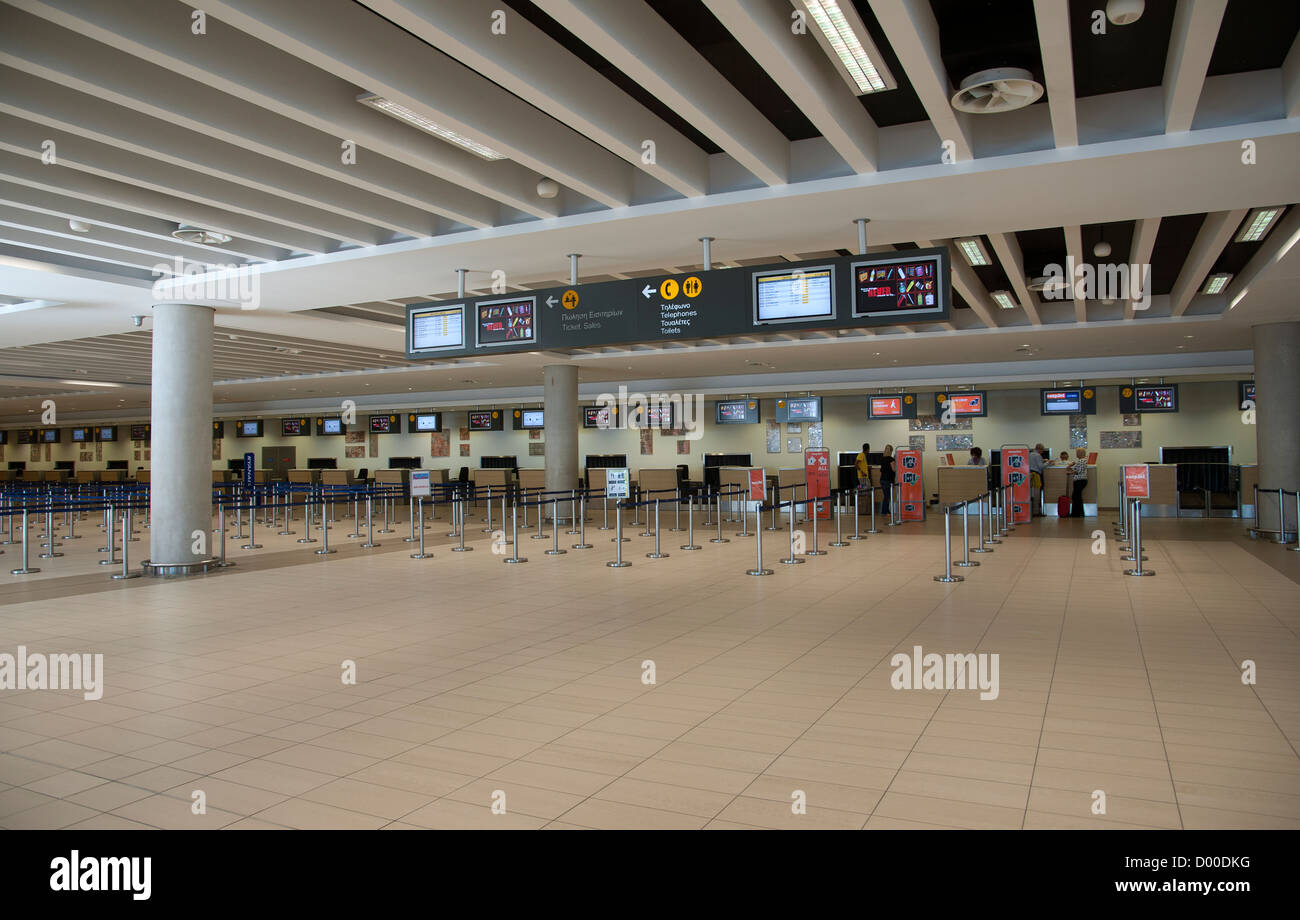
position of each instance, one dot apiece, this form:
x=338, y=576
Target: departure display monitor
x=737, y=412
x=894, y=405
x=106, y=433
x=1156, y=399
x=431, y=421
x=385, y=424
x=293, y=427
x=1062, y=402
x=486, y=420
x=507, y=322
x=803, y=409
x=332, y=425
x=139, y=432
x=1245, y=391
x=80, y=435
x=961, y=405
x=248, y=428
x=896, y=287
x=794, y=296
x=49, y=436
x=598, y=417
x=657, y=415
x=527, y=419
x=437, y=328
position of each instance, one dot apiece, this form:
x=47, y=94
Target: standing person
x=888, y=475
x=862, y=464
x=1079, y=477
x=977, y=457
x=1036, y=464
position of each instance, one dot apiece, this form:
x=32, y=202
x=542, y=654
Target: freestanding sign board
x=420, y=484
x=817, y=476
x=1015, y=473
x=757, y=489
x=250, y=465
x=616, y=482
x=911, y=486
x=1137, y=482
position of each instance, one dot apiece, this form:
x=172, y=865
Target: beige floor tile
x=367, y=798
x=303, y=814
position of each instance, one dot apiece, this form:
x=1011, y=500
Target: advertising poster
x=817, y=474
x=911, y=486
x=1015, y=473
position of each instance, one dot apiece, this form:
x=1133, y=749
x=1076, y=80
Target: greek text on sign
x=420, y=484
x=616, y=482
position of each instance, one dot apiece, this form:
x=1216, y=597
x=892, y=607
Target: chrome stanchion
x=719, y=538
x=1134, y=549
x=419, y=503
x=458, y=509
x=758, y=542
x=677, y=512
x=356, y=515
x=992, y=538
x=582, y=524
x=107, y=525
x=287, y=511
x=775, y=502
x=555, y=530
x=26, y=568
x=895, y=510
x=306, y=520
x=637, y=515
x=388, y=512
x=252, y=540
x=51, y=553
x=979, y=511
x=1280, y=539
x=744, y=520
x=618, y=562
x=604, y=503
x=410, y=514
x=965, y=537
x=514, y=535
x=488, y=528
x=815, y=551
x=1296, y=548
x=793, y=559
x=690, y=525
x=873, y=529
x=370, y=524
x=573, y=514
x=126, y=532
x=541, y=519
x=839, y=522
x=325, y=536
x=221, y=562
x=656, y=554
x=856, y=520
x=947, y=550
x=1137, y=541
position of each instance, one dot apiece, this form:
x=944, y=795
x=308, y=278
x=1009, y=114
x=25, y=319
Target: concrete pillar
x=181, y=418
x=1277, y=417
x=560, y=394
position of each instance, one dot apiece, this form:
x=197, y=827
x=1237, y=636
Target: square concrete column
x=180, y=473
x=560, y=395
x=1277, y=419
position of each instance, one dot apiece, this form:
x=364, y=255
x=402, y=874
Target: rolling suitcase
x=1063, y=506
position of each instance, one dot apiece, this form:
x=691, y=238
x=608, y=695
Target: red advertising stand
x=1137, y=482
x=757, y=485
x=911, y=485
x=817, y=476
x=1015, y=473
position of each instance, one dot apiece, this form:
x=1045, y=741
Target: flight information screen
x=596, y=417
x=438, y=328
x=383, y=424
x=967, y=404
x=293, y=427
x=794, y=296
x=737, y=412
x=1062, y=402
x=331, y=426
x=507, y=322
x=430, y=422
x=888, y=288
x=886, y=407
x=1156, y=399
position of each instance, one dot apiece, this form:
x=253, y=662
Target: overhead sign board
x=848, y=292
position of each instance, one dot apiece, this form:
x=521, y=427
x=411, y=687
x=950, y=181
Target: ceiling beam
x=1012, y=258
x=1074, y=250
x=352, y=42
x=57, y=107
x=1053, y=18
x=966, y=282
x=81, y=248
x=803, y=71
x=1144, y=243
x=70, y=59
x=636, y=40
x=1280, y=241
x=106, y=236
x=1291, y=80
x=24, y=137
x=67, y=208
x=913, y=33
x=1191, y=43
x=27, y=170
x=538, y=69
x=1215, y=234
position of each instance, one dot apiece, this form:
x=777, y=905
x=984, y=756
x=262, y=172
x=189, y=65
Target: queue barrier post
x=541, y=518
x=873, y=529
x=814, y=551
x=370, y=523
x=857, y=523
x=458, y=512
x=26, y=568
x=51, y=553
x=1137, y=569
x=758, y=542
x=744, y=516
x=689, y=545
x=965, y=537
x=677, y=512
x=252, y=541
x=618, y=562
x=604, y=504
x=488, y=528
x=555, y=530
x=582, y=524
x=992, y=538
x=839, y=521
x=979, y=524
x=410, y=515
x=574, y=511
x=419, y=504
x=306, y=519
x=1296, y=548
x=792, y=559
x=775, y=501
x=387, y=497
x=126, y=532
x=325, y=532
x=222, y=562
x=719, y=538
x=947, y=575
x=656, y=554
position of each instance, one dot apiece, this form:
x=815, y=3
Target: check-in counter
x=1163, y=480
x=1249, y=480
x=220, y=477
x=532, y=480
x=731, y=478
x=112, y=475
x=336, y=477
x=1058, y=481
x=961, y=483
x=498, y=479
x=792, y=481
x=57, y=475
x=596, y=479
x=142, y=476
x=6, y=475
x=32, y=476
x=657, y=483
x=303, y=477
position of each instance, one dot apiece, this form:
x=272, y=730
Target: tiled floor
x=522, y=686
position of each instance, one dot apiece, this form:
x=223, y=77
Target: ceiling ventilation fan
x=1001, y=89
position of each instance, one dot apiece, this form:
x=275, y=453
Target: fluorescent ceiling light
x=845, y=38
x=1216, y=283
x=1257, y=224
x=402, y=113
x=973, y=249
x=1004, y=300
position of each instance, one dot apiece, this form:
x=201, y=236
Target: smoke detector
x=190, y=234
x=78, y=226
x=1002, y=89
x=1123, y=12
x=1048, y=283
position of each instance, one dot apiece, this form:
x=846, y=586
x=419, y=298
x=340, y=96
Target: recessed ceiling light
x=1216, y=283
x=402, y=113
x=78, y=226
x=191, y=234
x=841, y=32
x=1004, y=300
x=1258, y=223
x=973, y=249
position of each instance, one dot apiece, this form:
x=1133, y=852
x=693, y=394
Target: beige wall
x=1208, y=417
